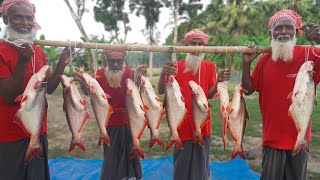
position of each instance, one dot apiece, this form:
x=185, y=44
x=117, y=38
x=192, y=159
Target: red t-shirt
x=270, y=79
x=207, y=81
x=10, y=131
x=118, y=97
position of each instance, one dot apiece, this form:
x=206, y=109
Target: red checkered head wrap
x=110, y=52
x=295, y=17
x=8, y=3
x=196, y=34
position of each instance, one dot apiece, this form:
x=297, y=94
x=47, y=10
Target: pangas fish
x=222, y=92
x=136, y=114
x=101, y=107
x=300, y=110
x=176, y=110
x=75, y=108
x=33, y=104
x=238, y=117
x=200, y=110
x=154, y=112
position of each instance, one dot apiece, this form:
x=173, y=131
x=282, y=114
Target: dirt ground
x=59, y=137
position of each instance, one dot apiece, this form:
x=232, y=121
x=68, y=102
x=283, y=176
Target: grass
x=253, y=132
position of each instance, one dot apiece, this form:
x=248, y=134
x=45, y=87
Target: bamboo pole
x=154, y=48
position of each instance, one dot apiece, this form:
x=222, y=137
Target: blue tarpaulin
x=153, y=169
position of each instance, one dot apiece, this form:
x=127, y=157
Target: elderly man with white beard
x=192, y=162
x=117, y=163
x=19, y=60
x=270, y=79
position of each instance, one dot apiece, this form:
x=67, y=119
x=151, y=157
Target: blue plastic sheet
x=153, y=169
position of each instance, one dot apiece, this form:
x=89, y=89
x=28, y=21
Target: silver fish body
x=176, y=111
x=301, y=108
x=33, y=104
x=101, y=107
x=74, y=107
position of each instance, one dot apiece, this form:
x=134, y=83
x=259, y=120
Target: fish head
x=310, y=66
x=87, y=78
x=170, y=80
x=66, y=81
x=44, y=72
x=194, y=88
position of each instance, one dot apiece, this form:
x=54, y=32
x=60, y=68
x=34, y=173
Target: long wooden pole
x=154, y=48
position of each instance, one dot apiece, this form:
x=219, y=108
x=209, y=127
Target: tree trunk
x=93, y=66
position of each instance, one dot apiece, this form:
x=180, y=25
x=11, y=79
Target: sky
x=57, y=24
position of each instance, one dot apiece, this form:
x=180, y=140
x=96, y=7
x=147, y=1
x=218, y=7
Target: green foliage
x=110, y=13
x=52, y=53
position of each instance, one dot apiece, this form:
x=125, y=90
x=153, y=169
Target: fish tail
x=156, y=140
x=197, y=136
x=77, y=143
x=105, y=138
x=137, y=150
x=238, y=152
x=177, y=141
x=34, y=149
x=304, y=145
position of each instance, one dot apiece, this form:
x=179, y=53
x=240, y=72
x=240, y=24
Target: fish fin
x=216, y=96
x=105, y=139
x=19, y=98
x=229, y=110
x=107, y=95
x=291, y=75
x=137, y=150
x=160, y=118
x=19, y=123
x=297, y=147
x=182, y=121
x=239, y=153
x=242, y=90
x=84, y=102
x=144, y=108
x=205, y=106
x=171, y=141
x=159, y=99
x=199, y=138
x=91, y=88
x=77, y=143
x=95, y=76
x=34, y=149
x=289, y=96
x=37, y=84
x=156, y=140
x=223, y=108
x=85, y=118
x=182, y=98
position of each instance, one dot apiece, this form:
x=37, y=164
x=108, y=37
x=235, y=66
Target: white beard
x=14, y=35
x=193, y=62
x=114, y=77
x=283, y=50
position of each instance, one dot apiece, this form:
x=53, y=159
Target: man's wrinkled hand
x=25, y=52
x=169, y=69
x=224, y=75
x=66, y=55
x=142, y=69
x=312, y=32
